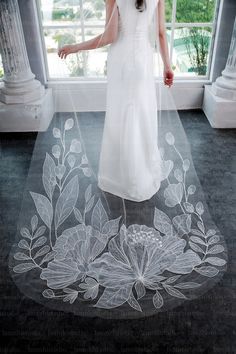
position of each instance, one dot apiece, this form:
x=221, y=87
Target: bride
x=80, y=246
x=130, y=162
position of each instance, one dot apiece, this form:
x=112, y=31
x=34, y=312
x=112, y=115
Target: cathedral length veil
x=82, y=250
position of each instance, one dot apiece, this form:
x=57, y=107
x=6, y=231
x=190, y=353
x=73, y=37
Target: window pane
x=69, y=22
x=195, y=11
x=1, y=68
x=72, y=11
x=191, y=50
x=168, y=7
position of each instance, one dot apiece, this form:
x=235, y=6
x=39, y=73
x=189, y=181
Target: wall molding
x=82, y=96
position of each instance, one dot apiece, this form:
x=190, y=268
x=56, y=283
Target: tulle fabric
x=118, y=228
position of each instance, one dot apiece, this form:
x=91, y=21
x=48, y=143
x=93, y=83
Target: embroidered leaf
x=56, y=133
x=195, y=247
x=199, y=208
x=174, y=292
x=162, y=222
x=56, y=151
x=189, y=207
x=24, y=267
x=166, y=169
x=78, y=215
x=186, y=165
x=44, y=208
x=75, y=146
x=21, y=256
x=211, y=232
x=197, y=240
x=170, y=138
x=133, y=302
x=112, y=297
x=172, y=279
x=213, y=239
x=39, y=232
x=197, y=232
x=88, y=193
x=25, y=232
x=173, y=194
x=182, y=223
x=34, y=223
x=48, y=257
x=192, y=189
x=40, y=242
x=49, y=176
x=66, y=202
x=215, y=261
x=178, y=175
x=89, y=205
x=157, y=300
x=207, y=271
x=69, y=124
x=24, y=244
x=111, y=227
x=42, y=252
x=187, y=285
x=216, y=249
x=201, y=226
x=140, y=289
x=99, y=216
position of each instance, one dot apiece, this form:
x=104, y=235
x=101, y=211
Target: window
x=190, y=28
x=1, y=69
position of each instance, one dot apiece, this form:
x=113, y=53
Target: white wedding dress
x=130, y=161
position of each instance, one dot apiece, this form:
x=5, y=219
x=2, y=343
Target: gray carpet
x=205, y=325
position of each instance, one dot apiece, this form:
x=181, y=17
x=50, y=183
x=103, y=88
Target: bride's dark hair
x=140, y=5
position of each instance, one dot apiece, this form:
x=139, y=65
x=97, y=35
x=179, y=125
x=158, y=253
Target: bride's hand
x=66, y=50
x=168, y=77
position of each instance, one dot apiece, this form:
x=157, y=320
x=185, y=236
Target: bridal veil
x=80, y=249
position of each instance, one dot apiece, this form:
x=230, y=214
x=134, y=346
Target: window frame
x=173, y=25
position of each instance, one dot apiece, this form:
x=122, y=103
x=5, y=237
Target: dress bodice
x=132, y=21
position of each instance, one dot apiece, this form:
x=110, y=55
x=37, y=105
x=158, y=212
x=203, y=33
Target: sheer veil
x=80, y=249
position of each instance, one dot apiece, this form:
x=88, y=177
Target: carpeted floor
x=205, y=325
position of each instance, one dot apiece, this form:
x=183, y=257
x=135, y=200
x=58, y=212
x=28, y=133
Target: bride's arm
x=108, y=36
x=162, y=34
x=164, y=50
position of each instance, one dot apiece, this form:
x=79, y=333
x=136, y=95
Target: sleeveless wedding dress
x=130, y=161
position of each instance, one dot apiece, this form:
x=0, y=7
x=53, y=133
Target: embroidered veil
x=83, y=250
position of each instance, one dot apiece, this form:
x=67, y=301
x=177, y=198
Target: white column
x=219, y=103
x=20, y=85
x=225, y=85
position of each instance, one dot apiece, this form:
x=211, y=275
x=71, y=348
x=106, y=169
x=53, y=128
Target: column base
x=220, y=89
x=31, y=117
x=18, y=92
x=219, y=111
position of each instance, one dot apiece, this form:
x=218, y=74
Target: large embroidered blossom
x=134, y=260
x=75, y=249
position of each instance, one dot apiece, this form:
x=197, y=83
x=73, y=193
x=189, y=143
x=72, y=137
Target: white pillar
x=25, y=105
x=20, y=85
x=225, y=85
x=219, y=103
